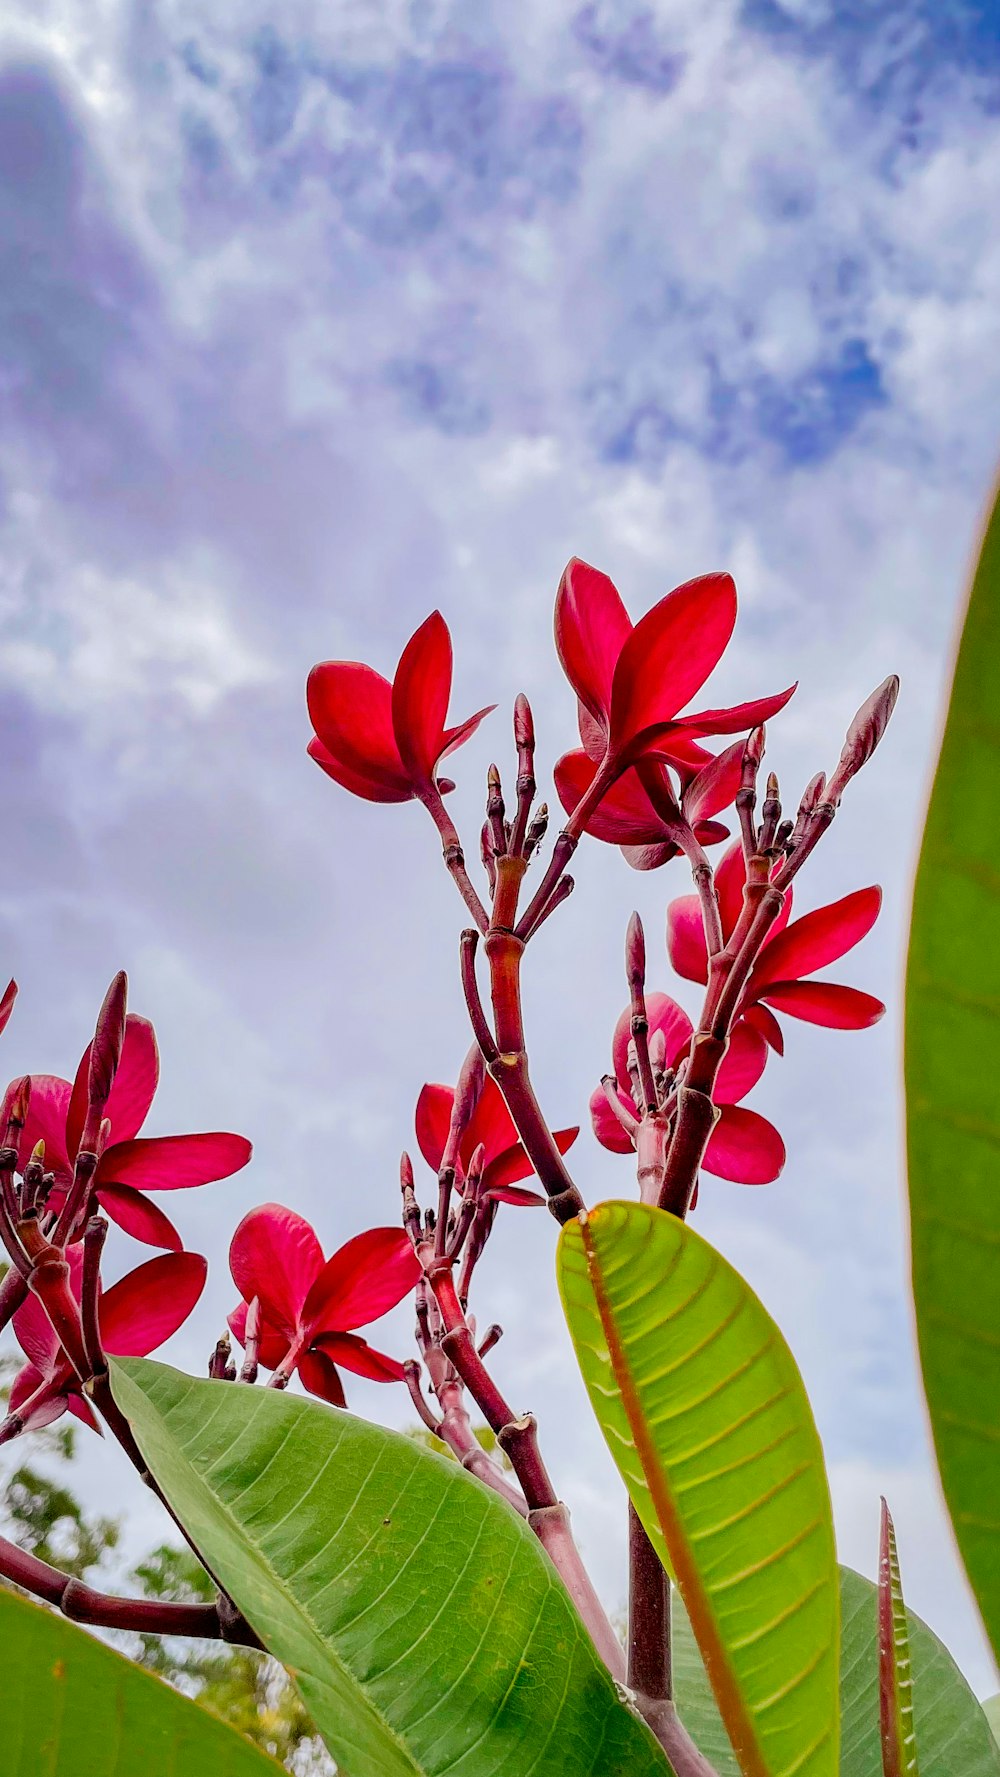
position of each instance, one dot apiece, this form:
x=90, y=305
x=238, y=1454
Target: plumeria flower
x=136, y=1316
x=743, y=1146
x=6, y=1008
x=627, y=816
x=310, y=1306
x=631, y=680
x=128, y=1166
x=491, y=1125
x=790, y=953
x=385, y=741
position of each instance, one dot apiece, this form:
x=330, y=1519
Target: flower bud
x=635, y=953
x=106, y=1049
x=524, y=725
x=863, y=736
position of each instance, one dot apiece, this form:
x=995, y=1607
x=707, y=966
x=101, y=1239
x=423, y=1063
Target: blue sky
x=313, y=320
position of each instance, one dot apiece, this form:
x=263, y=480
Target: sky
x=315, y=319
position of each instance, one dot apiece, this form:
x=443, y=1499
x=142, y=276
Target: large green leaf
x=426, y=1629
x=992, y=1708
x=953, y=1094
x=706, y=1416
x=73, y=1708
x=952, y=1730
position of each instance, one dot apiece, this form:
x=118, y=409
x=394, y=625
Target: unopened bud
x=405, y=1172
x=658, y=1051
x=446, y=785
x=863, y=736
x=753, y=752
x=470, y=1085
x=536, y=829
x=635, y=953
x=773, y=791
x=524, y=725
x=477, y=1164
x=38, y=1152
x=18, y=1100
x=812, y=795
x=106, y=1049
x=493, y=780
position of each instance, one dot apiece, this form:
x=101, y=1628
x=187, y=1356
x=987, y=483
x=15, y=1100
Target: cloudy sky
x=314, y=318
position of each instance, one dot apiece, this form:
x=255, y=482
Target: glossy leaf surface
x=705, y=1414
x=74, y=1708
x=953, y=1096
x=423, y=1624
x=952, y=1729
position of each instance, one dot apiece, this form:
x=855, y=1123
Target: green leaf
x=706, y=1416
x=422, y=1622
x=899, y=1745
x=953, y=1094
x=992, y=1711
x=952, y=1730
x=74, y=1708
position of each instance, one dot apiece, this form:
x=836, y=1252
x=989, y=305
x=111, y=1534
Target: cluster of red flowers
x=641, y=779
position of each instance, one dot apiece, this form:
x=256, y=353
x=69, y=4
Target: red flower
x=309, y=1305
x=6, y=1008
x=790, y=953
x=382, y=741
x=505, y=1161
x=136, y=1315
x=127, y=1167
x=743, y=1146
x=628, y=817
x=632, y=680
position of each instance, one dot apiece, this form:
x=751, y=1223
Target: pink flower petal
x=37, y=1400
x=456, y=737
x=46, y=1121
x=686, y=945
x=515, y=1195
x=318, y=1375
x=650, y=857
x=824, y=1002
x=81, y=1409
x=818, y=938
x=32, y=1327
x=663, y=1014
x=356, y=1354
x=669, y=655
x=764, y=1021
x=742, y=1065
x=740, y=717
x=745, y=1148
x=142, y=1310
x=361, y=1282
x=513, y=1164
x=624, y=815
x=7, y=1004
x=433, y=1121
x=350, y=707
x=420, y=693
x=133, y=1089
x=730, y=881
x=273, y=1345
x=134, y=1213
x=716, y=785
x=172, y=1162
x=605, y=1124
x=593, y=733
x=591, y=628
x=491, y=1124
x=275, y=1255
x=359, y=784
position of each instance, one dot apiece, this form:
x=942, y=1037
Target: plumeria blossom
x=792, y=952
x=631, y=680
x=129, y=1165
x=644, y=828
x=136, y=1316
x=385, y=741
x=743, y=1146
x=491, y=1125
x=311, y=1306
x=7, y=1003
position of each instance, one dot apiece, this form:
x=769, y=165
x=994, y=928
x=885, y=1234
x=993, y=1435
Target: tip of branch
x=524, y=725
x=635, y=952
